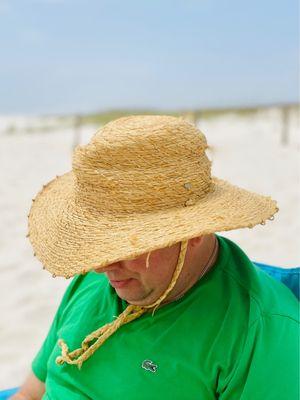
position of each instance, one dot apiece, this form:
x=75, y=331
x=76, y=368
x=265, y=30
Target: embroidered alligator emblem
x=149, y=365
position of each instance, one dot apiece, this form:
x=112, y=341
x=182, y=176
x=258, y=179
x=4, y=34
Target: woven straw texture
x=142, y=183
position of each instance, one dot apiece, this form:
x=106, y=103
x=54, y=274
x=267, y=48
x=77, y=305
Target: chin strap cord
x=94, y=340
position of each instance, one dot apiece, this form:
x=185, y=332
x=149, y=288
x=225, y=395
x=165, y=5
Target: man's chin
x=135, y=300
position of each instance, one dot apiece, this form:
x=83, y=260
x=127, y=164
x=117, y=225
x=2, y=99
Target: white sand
x=245, y=150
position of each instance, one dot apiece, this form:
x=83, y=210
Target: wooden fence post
x=77, y=131
x=285, y=126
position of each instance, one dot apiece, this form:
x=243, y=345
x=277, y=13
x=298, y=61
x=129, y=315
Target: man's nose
x=108, y=268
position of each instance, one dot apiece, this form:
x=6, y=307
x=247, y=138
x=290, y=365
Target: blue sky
x=65, y=56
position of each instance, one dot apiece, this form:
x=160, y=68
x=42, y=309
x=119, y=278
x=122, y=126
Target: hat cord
x=95, y=339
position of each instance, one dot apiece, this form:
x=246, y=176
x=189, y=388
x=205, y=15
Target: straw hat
x=142, y=183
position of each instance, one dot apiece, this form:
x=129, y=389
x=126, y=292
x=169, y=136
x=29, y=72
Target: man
x=160, y=306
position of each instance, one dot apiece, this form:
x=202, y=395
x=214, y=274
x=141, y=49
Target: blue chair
x=5, y=394
x=289, y=276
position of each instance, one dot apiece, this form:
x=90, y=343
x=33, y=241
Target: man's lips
x=120, y=283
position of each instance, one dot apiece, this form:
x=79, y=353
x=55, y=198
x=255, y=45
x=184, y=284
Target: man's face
x=136, y=283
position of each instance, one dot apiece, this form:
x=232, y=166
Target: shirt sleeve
x=268, y=367
x=39, y=363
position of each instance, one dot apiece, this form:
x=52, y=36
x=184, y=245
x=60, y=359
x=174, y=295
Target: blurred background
x=69, y=66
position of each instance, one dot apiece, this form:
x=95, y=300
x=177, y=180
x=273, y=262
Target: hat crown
x=143, y=163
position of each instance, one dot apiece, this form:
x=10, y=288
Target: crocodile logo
x=149, y=365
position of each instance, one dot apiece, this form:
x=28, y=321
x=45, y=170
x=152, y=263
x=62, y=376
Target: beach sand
x=245, y=149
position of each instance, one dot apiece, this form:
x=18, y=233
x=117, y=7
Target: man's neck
x=197, y=264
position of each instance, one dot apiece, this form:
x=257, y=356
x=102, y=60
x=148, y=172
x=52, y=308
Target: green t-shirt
x=233, y=335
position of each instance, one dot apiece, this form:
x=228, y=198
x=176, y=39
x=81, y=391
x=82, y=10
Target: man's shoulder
x=261, y=290
x=83, y=284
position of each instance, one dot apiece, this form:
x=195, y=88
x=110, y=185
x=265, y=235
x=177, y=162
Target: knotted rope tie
x=95, y=339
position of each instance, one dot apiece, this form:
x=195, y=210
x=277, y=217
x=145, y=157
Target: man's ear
x=196, y=241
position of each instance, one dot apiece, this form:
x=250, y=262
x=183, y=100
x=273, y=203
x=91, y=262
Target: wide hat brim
x=71, y=239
